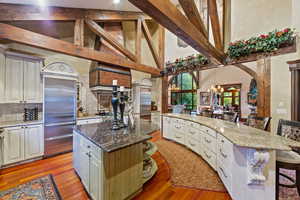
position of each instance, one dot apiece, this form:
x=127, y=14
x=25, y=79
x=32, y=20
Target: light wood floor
x=70, y=187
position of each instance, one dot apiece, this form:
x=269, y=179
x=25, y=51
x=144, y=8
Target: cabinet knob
x=88, y=146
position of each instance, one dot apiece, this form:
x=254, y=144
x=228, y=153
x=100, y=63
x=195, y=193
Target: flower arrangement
x=190, y=63
x=265, y=43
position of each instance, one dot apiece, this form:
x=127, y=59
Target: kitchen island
x=243, y=157
x=110, y=162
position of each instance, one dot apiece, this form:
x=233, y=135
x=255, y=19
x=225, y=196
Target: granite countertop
x=242, y=135
x=109, y=140
x=19, y=123
x=89, y=117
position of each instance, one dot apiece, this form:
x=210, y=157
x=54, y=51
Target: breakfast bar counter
x=243, y=157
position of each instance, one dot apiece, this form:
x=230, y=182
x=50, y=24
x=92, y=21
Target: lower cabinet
x=23, y=143
x=88, y=166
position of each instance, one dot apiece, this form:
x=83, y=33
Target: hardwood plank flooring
x=70, y=187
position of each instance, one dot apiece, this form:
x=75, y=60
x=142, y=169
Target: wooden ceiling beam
x=14, y=12
x=215, y=24
x=79, y=32
x=138, y=41
x=166, y=14
x=98, y=30
x=26, y=37
x=151, y=44
x=191, y=11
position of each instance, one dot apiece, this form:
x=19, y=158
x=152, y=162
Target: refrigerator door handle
x=60, y=124
x=59, y=137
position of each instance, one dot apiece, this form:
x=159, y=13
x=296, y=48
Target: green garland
x=190, y=63
x=265, y=43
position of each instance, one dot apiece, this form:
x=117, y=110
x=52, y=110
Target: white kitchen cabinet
x=34, y=141
x=23, y=83
x=13, y=145
x=87, y=163
x=32, y=82
x=2, y=77
x=23, y=143
x=95, y=188
x=13, y=80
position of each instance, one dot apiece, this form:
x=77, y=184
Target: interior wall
x=270, y=15
x=223, y=76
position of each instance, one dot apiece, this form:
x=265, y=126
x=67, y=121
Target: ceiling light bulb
x=116, y=1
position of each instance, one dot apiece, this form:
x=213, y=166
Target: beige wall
x=254, y=17
x=227, y=75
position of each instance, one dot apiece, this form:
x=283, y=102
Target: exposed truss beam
x=79, y=32
x=98, y=30
x=215, y=24
x=13, y=12
x=166, y=14
x=191, y=11
x=150, y=43
x=138, y=42
x=26, y=37
x=248, y=70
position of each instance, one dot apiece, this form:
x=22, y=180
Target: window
x=231, y=96
x=184, y=91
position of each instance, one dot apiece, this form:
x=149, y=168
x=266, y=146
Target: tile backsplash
x=15, y=112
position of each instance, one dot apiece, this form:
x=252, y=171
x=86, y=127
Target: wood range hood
x=101, y=75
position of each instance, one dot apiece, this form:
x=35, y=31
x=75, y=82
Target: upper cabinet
x=13, y=80
x=22, y=80
x=32, y=82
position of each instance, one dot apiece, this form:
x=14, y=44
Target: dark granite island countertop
x=110, y=140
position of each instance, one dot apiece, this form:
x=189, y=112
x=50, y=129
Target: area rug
x=42, y=188
x=188, y=169
x=287, y=193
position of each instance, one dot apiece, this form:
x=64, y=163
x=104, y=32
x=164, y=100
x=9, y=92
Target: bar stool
x=259, y=122
x=288, y=159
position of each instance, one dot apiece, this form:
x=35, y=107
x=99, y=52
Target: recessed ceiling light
x=116, y=1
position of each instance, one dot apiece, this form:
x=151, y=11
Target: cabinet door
x=2, y=78
x=34, y=141
x=84, y=170
x=32, y=82
x=95, y=189
x=13, y=145
x=14, y=80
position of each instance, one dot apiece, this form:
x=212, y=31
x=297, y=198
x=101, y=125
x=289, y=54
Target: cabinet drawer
x=210, y=157
x=209, y=142
x=88, y=146
x=226, y=177
x=193, y=144
x=179, y=137
x=194, y=133
x=88, y=121
x=224, y=151
x=208, y=131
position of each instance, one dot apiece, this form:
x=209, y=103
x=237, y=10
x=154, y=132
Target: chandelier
x=216, y=89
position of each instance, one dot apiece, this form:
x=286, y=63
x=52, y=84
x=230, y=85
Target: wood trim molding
x=166, y=14
x=192, y=13
x=26, y=37
x=98, y=30
x=14, y=12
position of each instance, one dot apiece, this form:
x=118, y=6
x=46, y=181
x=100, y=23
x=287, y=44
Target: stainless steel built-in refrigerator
x=59, y=114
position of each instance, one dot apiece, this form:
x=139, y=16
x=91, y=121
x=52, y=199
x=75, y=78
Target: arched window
x=184, y=90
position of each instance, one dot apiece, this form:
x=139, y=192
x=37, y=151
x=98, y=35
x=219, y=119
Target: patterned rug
x=188, y=169
x=42, y=188
x=287, y=193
